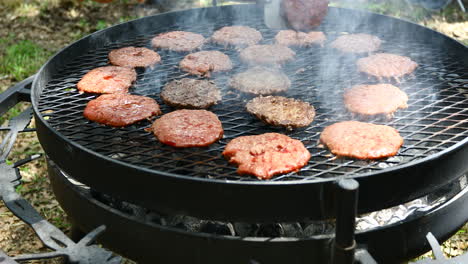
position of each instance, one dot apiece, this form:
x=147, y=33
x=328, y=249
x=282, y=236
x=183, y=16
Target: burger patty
x=357, y=43
x=134, y=57
x=386, y=65
x=375, y=99
x=361, y=140
x=188, y=128
x=119, y=110
x=204, y=62
x=304, y=14
x=282, y=111
x=179, y=41
x=108, y=79
x=266, y=155
x=300, y=39
x=237, y=36
x=267, y=54
x=260, y=81
x=191, y=93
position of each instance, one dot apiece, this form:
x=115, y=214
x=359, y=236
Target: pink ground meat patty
x=267, y=54
x=134, y=57
x=386, y=65
x=293, y=38
x=375, y=99
x=361, y=140
x=357, y=43
x=178, y=41
x=108, y=79
x=204, y=62
x=237, y=36
x=119, y=110
x=266, y=155
x=188, y=128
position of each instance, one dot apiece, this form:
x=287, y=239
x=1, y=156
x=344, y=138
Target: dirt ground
x=53, y=27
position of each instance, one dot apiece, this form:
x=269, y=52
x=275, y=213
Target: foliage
x=22, y=59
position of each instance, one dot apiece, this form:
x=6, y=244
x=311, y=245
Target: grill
x=123, y=177
x=435, y=120
x=434, y=126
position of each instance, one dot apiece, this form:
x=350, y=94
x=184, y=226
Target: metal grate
x=435, y=119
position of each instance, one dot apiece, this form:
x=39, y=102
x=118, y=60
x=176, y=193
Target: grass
x=22, y=59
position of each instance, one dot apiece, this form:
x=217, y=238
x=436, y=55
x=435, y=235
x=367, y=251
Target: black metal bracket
x=344, y=248
x=439, y=255
x=83, y=252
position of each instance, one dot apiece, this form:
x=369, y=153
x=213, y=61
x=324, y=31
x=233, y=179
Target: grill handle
x=20, y=92
x=346, y=200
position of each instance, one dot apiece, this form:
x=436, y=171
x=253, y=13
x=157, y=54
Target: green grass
x=22, y=59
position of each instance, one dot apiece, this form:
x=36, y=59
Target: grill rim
x=35, y=99
x=58, y=147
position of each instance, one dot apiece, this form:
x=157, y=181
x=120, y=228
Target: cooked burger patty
x=299, y=39
x=191, y=93
x=134, y=57
x=386, y=65
x=375, y=99
x=237, y=36
x=108, y=79
x=282, y=111
x=119, y=110
x=205, y=62
x=357, y=43
x=266, y=155
x=361, y=140
x=178, y=41
x=188, y=128
x=267, y=54
x=260, y=81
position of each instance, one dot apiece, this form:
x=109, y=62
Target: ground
x=33, y=30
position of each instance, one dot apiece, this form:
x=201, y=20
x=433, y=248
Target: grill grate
x=435, y=119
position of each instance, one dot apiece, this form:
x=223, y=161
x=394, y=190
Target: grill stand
x=83, y=252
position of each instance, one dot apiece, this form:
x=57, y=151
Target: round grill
x=131, y=164
x=435, y=120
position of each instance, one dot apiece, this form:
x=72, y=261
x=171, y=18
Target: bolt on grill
x=436, y=118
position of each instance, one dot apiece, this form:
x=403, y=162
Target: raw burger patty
x=191, y=93
x=386, y=65
x=134, y=57
x=304, y=14
x=237, y=36
x=267, y=54
x=375, y=99
x=266, y=155
x=178, y=41
x=108, y=79
x=299, y=39
x=205, y=62
x=119, y=110
x=357, y=43
x=188, y=128
x=361, y=140
x=260, y=81
x=282, y=111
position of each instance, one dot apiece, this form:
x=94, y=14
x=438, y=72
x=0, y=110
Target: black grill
x=435, y=120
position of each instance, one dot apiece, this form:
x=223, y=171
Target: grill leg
x=346, y=200
x=76, y=234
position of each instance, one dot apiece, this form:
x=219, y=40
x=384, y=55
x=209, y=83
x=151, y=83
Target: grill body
x=130, y=164
x=147, y=242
